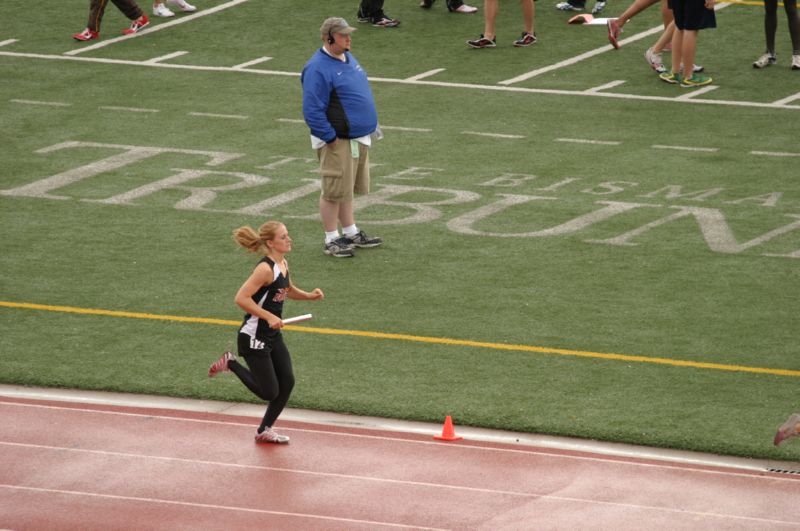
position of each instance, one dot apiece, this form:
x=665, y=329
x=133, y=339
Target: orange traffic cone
x=448, y=433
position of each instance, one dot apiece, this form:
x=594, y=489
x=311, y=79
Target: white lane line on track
x=209, y=506
x=775, y=154
x=37, y=102
x=610, y=84
x=254, y=62
x=693, y=93
x=787, y=99
x=491, y=135
x=532, y=495
x=126, y=109
x=151, y=28
x=166, y=57
x=441, y=84
x=685, y=148
x=408, y=129
x=423, y=75
x=617, y=459
x=589, y=141
x=214, y=115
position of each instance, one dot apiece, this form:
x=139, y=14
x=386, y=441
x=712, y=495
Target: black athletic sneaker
x=482, y=42
x=362, y=240
x=385, y=22
x=341, y=247
x=526, y=40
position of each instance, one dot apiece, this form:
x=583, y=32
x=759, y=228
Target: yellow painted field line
x=417, y=339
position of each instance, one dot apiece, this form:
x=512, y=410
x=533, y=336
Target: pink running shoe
x=221, y=365
x=270, y=436
x=613, y=32
x=790, y=428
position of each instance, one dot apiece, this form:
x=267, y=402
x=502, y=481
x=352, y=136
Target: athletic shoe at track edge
x=613, y=32
x=654, y=60
x=160, y=10
x=270, y=436
x=464, y=8
x=86, y=35
x=221, y=365
x=598, y=7
x=137, y=25
x=385, y=22
x=482, y=42
x=696, y=80
x=765, y=60
x=525, y=40
x=796, y=62
x=566, y=6
x=788, y=429
x=669, y=77
x=183, y=5
x=362, y=240
x=339, y=248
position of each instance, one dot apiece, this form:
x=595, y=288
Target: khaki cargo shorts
x=342, y=174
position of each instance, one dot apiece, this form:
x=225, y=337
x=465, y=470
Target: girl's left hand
x=316, y=295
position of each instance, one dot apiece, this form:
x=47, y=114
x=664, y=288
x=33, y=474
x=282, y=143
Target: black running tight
x=771, y=23
x=270, y=376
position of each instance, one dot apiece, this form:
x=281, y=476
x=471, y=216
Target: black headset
x=331, y=40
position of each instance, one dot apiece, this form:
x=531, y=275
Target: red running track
x=69, y=465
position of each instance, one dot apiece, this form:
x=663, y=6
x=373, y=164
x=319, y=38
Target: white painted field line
x=697, y=92
x=260, y=60
x=290, y=120
x=442, y=84
x=578, y=58
x=214, y=115
x=775, y=154
x=409, y=129
x=685, y=148
x=787, y=99
x=126, y=109
x=37, y=102
x=151, y=28
x=8, y=41
x=172, y=55
x=588, y=55
x=588, y=141
x=608, y=85
x=423, y=75
x=491, y=135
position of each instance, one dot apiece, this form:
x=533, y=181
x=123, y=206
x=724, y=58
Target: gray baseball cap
x=335, y=25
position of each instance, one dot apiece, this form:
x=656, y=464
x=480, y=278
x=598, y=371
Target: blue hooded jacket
x=337, y=100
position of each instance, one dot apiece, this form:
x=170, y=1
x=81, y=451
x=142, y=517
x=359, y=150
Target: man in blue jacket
x=339, y=109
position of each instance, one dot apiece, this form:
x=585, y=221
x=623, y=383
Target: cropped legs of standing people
x=771, y=28
x=161, y=10
x=372, y=11
x=98, y=7
x=488, y=38
x=454, y=6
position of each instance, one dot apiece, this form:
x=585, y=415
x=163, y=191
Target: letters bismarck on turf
x=718, y=234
